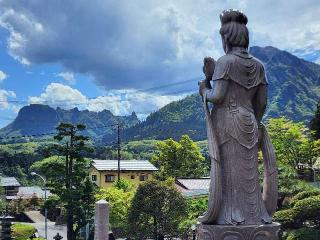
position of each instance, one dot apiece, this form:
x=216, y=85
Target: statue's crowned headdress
x=233, y=28
x=233, y=15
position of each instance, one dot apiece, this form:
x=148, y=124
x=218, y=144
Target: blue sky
x=97, y=54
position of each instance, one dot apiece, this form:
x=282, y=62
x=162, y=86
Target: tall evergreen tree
x=68, y=176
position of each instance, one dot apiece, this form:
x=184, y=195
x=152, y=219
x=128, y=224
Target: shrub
x=287, y=218
x=308, y=209
x=304, y=234
x=22, y=231
x=303, y=195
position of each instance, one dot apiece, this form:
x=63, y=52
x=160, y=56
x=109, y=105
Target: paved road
x=35, y=216
x=38, y=222
x=52, y=230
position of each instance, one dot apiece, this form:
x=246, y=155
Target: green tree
x=315, y=122
x=293, y=142
x=179, y=159
x=17, y=158
x=195, y=208
x=119, y=202
x=52, y=204
x=157, y=210
x=67, y=174
x=124, y=184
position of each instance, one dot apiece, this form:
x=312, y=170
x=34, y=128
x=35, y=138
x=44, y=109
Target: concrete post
x=101, y=220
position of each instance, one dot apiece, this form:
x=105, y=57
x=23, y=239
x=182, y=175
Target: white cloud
x=3, y=76
x=129, y=44
x=4, y=97
x=124, y=102
x=119, y=102
x=57, y=94
x=67, y=76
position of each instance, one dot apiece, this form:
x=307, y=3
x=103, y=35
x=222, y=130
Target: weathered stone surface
x=235, y=131
x=236, y=208
x=101, y=220
x=240, y=232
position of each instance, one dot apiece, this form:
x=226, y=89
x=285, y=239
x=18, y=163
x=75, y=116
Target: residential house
x=105, y=172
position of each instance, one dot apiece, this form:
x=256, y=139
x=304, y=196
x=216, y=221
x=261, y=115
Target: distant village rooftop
x=125, y=165
x=193, y=187
x=29, y=192
x=194, y=183
x=9, y=182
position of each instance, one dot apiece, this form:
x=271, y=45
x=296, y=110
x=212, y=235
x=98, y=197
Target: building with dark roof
x=10, y=185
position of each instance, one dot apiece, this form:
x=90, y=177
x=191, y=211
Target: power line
x=116, y=100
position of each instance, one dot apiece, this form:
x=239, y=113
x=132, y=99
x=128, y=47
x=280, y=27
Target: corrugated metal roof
x=125, y=165
x=29, y=192
x=195, y=184
x=9, y=182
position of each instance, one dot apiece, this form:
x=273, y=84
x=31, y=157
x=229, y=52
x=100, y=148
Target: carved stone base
x=240, y=232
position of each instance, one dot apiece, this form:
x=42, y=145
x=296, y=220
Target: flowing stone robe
x=240, y=97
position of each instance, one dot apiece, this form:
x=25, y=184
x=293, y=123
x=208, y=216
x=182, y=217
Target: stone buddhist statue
x=237, y=207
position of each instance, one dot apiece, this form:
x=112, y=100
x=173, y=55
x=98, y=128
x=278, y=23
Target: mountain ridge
x=37, y=119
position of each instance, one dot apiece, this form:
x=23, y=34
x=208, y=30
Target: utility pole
x=119, y=149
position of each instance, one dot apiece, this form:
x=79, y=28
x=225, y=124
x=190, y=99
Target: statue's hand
x=208, y=67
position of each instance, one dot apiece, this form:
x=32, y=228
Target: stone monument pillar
x=101, y=220
x=237, y=210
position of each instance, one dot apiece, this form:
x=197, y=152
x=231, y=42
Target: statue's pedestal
x=239, y=232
